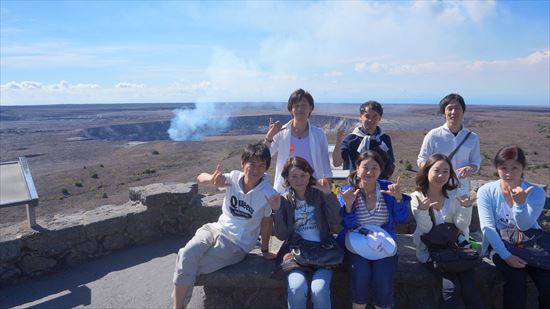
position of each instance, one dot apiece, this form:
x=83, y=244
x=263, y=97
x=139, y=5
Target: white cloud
x=124, y=85
x=538, y=59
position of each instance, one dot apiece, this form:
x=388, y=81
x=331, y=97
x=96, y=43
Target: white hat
x=375, y=245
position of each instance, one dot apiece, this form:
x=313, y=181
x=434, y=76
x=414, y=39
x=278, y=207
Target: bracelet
x=269, y=141
x=265, y=250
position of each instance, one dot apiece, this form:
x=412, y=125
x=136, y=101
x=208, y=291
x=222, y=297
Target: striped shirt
x=377, y=216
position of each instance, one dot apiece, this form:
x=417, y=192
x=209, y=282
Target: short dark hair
x=510, y=152
x=422, y=182
x=299, y=163
x=299, y=95
x=448, y=99
x=369, y=154
x=259, y=151
x=377, y=107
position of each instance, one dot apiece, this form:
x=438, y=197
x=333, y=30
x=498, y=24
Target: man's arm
x=217, y=178
x=265, y=233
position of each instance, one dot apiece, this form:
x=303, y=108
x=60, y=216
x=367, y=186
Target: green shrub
x=104, y=195
x=78, y=184
x=155, y=152
x=149, y=171
x=64, y=191
x=95, y=176
x=408, y=166
x=101, y=165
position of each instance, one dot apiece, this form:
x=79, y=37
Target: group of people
x=300, y=205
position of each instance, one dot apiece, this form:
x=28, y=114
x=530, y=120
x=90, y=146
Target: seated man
x=227, y=241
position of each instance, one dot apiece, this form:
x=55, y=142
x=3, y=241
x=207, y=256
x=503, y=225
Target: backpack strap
x=451, y=155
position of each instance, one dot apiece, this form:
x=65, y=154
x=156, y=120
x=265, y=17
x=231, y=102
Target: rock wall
x=152, y=211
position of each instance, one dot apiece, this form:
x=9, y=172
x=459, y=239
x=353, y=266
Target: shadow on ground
x=69, y=288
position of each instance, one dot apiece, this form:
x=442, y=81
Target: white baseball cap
x=374, y=245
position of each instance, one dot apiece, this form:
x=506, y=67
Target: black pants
x=458, y=290
x=515, y=288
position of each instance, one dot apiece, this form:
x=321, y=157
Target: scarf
x=365, y=143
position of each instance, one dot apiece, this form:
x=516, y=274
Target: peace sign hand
x=273, y=129
x=466, y=201
x=218, y=179
x=274, y=201
x=340, y=135
x=323, y=185
x=425, y=203
x=394, y=189
x=519, y=195
x=349, y=197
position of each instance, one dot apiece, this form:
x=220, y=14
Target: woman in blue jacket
x=370, y=200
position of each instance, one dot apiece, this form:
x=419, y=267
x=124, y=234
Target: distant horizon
x=541, y=106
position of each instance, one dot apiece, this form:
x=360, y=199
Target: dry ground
x=60, y=160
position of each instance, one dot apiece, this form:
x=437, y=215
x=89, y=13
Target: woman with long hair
x=433, y=203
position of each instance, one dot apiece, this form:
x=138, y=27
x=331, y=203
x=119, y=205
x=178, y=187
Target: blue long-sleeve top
x=490, y=200
x=399, y=212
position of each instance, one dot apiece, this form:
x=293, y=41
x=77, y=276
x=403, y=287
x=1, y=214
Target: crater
x=240, y=125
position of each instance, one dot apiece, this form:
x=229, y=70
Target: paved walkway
x=139, y=277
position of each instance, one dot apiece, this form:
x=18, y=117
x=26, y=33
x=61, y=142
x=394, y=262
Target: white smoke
x=195, y=124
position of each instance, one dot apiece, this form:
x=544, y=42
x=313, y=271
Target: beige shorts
x=206, y=252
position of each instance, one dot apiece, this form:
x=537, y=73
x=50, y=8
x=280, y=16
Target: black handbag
x=327, y=254
x=532, y=245
x=445, y=253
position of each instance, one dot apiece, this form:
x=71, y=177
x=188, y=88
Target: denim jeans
x=515, y=288
x=298, y=289
x=376, y=274
x=458, y=290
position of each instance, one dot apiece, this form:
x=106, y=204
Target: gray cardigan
x=327, y=212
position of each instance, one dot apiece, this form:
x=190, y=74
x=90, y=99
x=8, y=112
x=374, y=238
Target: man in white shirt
x=227, y=241
x=446, y=138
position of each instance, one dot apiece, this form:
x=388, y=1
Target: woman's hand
x=518, y=194
x=274, y=201
x=425, y=203
x=394, y=189
x=349, y=197
x=515, y=262
x=273, y=129
x=465, y=200
x=323, y=185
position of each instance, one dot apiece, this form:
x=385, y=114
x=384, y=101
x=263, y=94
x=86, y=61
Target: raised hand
x=425, y=203
x=394, y=189
x=465, y=171
x=349, y=197
x=340, y=134
x=273, y=129
x=217, y=177
x=323, y=185
x=465, y=200
x=274, y=201
x=518, y=194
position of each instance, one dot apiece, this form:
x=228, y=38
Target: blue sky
x=346, y=51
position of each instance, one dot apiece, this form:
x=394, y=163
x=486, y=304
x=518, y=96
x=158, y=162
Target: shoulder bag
x=532, y=245
x=445, y=253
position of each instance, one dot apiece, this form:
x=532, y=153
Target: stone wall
x=152, y=211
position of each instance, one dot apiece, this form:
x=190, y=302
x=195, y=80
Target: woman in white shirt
x=298, y=138
x=435, y=192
